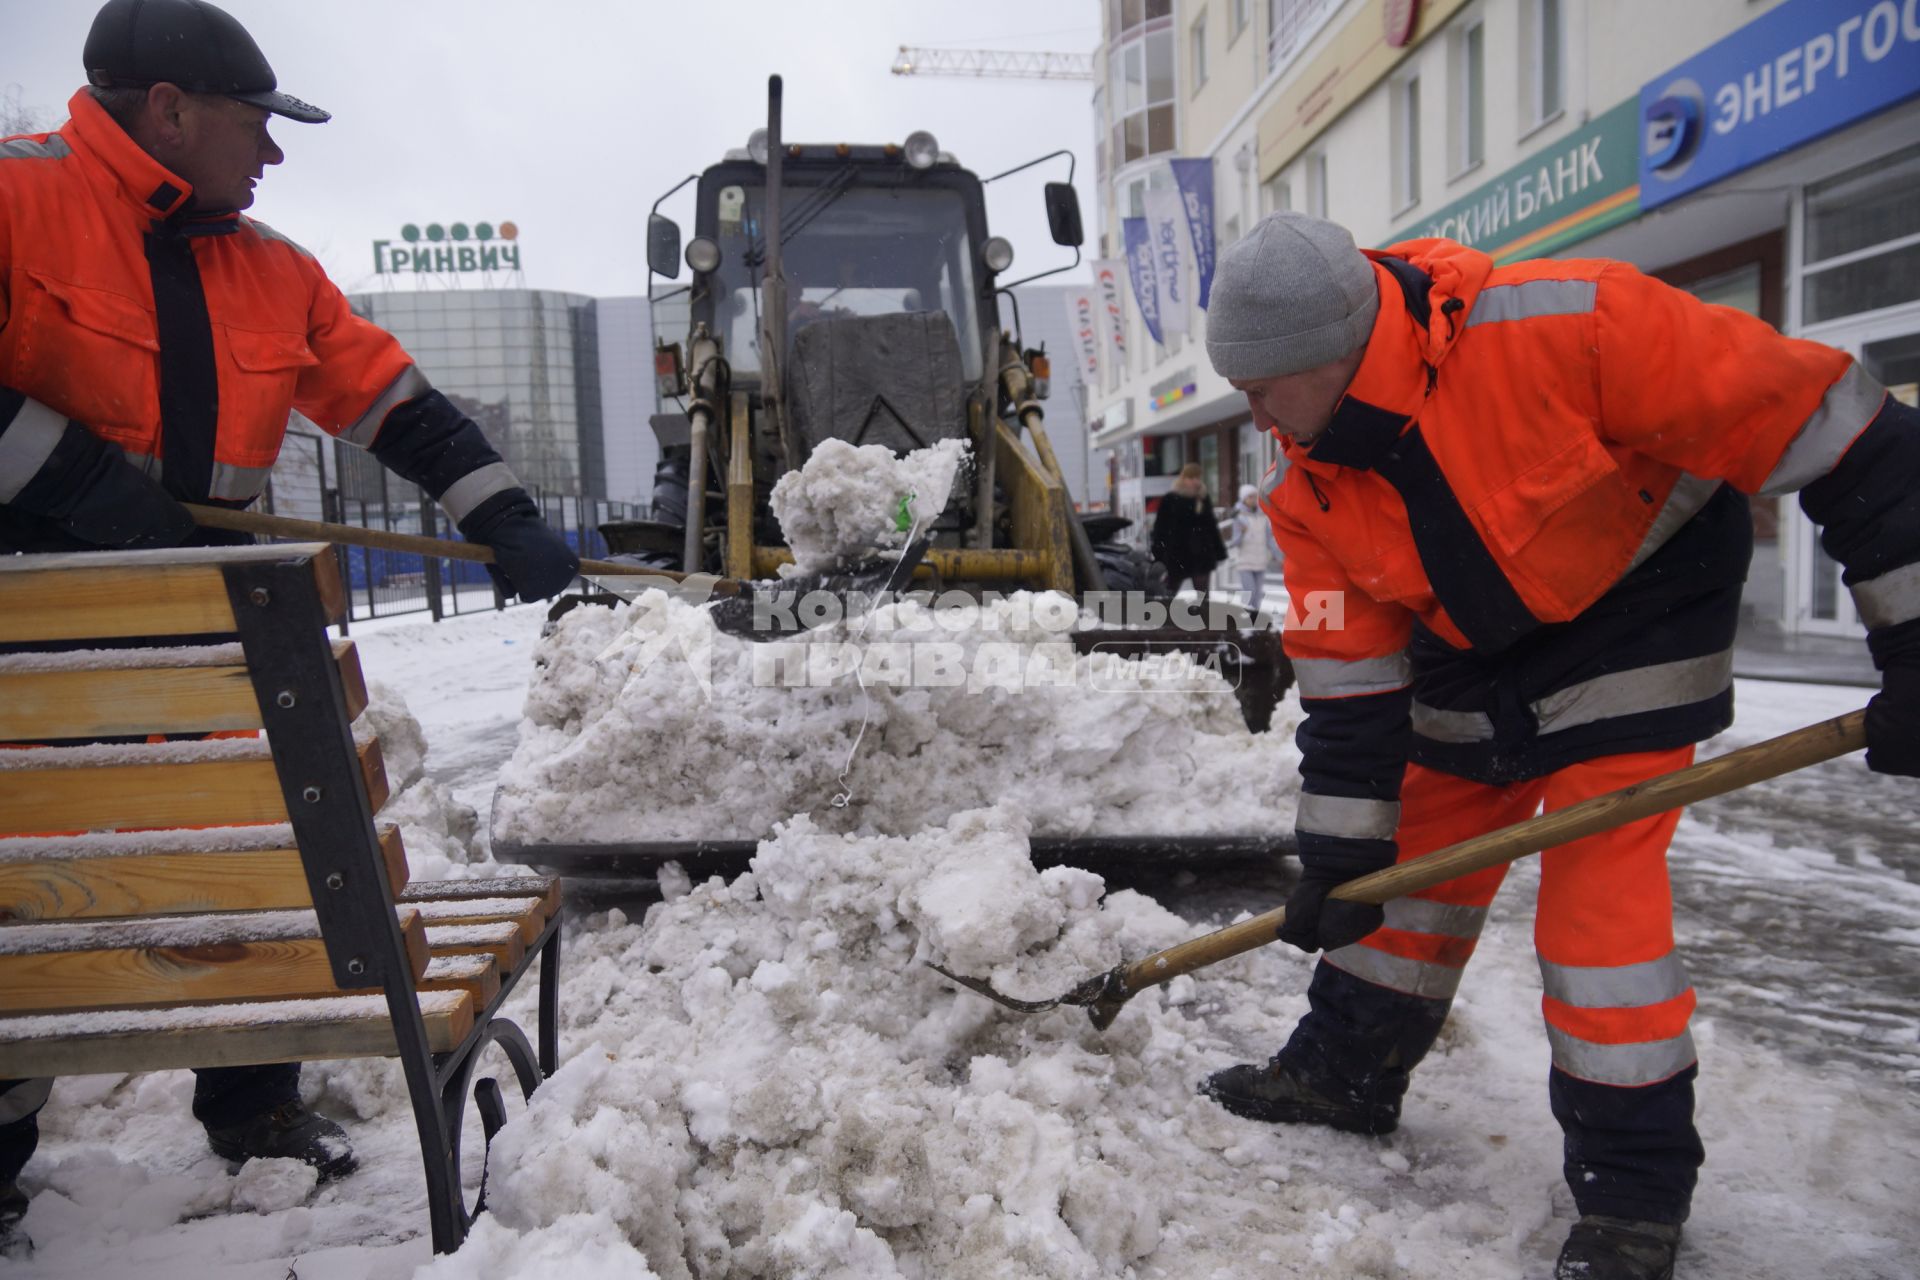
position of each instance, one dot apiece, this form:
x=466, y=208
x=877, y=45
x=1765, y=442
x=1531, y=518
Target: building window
x=1257, y=454
x=1863, y=240
x=1291, y=24
x=1317, y=184
x=1470, y=97
x=1276, y=197
x=1544, y=79
x=1406, y=143
x=1124, y=15
x=1197, y=45
x=1140, y=95
x=1236, y=19
x=1163, y=455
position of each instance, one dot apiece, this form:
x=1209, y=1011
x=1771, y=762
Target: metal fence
x=318, y=478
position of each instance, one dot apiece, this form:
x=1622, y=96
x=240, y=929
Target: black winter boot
x=1601, y=1248
x=1278, y=1093
x=287, y=1131
x=15, y=1244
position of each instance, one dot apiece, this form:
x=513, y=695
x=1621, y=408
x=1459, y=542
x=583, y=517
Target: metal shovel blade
x=1101, y=995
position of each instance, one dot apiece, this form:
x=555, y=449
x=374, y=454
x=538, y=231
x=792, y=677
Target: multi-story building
x=1761, y=155
x=523, y=363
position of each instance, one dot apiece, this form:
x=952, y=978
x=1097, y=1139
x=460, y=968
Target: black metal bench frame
x=282, y=624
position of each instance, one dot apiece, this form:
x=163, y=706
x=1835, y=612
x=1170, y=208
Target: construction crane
x=993, y=63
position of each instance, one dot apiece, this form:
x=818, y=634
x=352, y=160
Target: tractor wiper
x=805, y=212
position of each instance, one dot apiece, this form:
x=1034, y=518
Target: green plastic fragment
x=903, y=514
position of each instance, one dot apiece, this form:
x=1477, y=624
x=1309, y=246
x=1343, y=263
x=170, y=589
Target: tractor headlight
x=703, y=255
x=997, y=253
x=922, y=149
x=757, y=146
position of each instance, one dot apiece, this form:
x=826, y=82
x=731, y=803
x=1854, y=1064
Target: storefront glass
x=1863, y=240
x=1860, y=291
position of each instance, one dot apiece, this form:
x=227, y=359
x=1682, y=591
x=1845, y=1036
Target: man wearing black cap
x=153, y=341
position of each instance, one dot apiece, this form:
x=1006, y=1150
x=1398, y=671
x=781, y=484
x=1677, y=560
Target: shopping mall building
x=1762, y=155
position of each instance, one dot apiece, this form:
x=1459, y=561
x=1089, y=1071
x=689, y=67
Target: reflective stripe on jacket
x=118, y=312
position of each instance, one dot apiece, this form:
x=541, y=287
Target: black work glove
x=89, y=489
x=531, y=559
x=1893, y=720
x=1315, y=921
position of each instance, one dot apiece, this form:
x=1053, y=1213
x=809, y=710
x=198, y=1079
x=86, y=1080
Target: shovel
x=1103, y=995
x=739, y=616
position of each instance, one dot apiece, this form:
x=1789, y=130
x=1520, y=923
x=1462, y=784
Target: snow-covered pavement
x=770, y=1084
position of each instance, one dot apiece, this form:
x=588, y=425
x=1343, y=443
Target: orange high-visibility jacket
x=79, y=331
x=1520, y=542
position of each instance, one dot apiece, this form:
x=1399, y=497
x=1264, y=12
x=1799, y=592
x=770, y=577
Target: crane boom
x=993, y=63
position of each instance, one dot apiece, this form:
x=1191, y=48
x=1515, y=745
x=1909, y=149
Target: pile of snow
x=842, y=505
x=767, y=1080
x=439, y=832
x=645, y=723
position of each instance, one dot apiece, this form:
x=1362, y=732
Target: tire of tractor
x=670, y=491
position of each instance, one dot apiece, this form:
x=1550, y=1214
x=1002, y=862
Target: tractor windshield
x=846, y=250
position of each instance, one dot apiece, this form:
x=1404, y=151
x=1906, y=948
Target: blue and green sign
x=1794, y=74
x=1576, y=187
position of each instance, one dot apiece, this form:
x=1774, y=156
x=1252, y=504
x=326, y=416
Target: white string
x=845, y=795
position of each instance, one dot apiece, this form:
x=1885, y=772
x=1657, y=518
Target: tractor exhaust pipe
x=773, y=288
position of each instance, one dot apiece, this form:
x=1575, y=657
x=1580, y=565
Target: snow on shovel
x=1104, y=994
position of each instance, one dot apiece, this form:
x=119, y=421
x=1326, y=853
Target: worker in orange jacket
x=1527, y=486
x=153, y=341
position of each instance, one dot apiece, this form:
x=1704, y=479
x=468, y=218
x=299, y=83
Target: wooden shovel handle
x=383, y=540
x=1803, y=747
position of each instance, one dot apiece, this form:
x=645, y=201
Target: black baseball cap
x=201, y=48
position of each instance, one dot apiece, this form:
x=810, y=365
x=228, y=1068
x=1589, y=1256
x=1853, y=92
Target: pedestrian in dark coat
x=1186, y=532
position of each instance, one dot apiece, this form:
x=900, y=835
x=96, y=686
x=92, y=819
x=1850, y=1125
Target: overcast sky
x=570, y=117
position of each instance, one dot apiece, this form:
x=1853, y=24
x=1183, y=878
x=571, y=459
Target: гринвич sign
x=1795, y=73
x=449, y=249
x=1573, y=188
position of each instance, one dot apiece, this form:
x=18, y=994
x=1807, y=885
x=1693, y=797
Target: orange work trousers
x=1617, y=1000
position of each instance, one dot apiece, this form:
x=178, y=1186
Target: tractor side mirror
x=663, y=245
x=1063, y=214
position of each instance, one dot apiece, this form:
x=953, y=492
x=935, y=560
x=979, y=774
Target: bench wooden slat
x=131, y=976
x=121, y=796
x=545, y=888
x=91, y=888
x=128, y=699
x=500, y=939
x=526, y=914
x=478, y=975
x=229, y=1035
x=88, y=595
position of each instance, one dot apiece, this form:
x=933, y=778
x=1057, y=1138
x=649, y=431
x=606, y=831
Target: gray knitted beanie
x=1292, y=294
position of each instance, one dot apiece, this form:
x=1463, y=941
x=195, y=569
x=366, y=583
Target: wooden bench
x=230, y=900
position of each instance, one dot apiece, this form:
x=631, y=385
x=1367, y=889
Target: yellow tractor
x=852, y=292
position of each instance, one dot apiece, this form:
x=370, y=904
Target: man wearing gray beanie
x=1515, y=517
